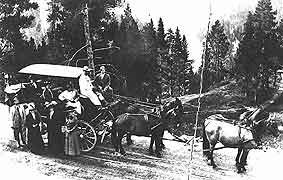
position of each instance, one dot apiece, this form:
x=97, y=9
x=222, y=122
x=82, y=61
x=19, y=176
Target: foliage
x=259, y=51
x=12, y=21
x=216, y=54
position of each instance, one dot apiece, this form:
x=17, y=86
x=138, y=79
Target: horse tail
x=205, y=142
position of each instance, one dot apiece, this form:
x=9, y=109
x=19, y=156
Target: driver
x=86, y=87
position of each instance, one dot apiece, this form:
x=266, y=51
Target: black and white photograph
x=141, y=89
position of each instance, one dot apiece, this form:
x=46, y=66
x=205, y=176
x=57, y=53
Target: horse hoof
x=214, y=166
x=117, y=154
x=163, y=146
x=240, y=171
x=130, y=143
x=150, y=151
x=123, y=153
x=158, y=155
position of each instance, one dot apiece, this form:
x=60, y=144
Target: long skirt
x=72, y=143
x=55, y=138
x=35, y=142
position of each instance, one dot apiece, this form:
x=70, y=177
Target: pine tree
x=188, y=68
x=168, y=66
x=178, y=64
x=161, y=43
x=11, y=24
x=162, y=50
x=265, y=25
x=151, y=53
x=259, y=50
x=217, y=48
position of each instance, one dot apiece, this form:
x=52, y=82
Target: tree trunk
x=88, y=40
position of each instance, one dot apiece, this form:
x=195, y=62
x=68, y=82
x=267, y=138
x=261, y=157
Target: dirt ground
x=101, y=163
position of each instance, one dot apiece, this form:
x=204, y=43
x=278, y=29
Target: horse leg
x=212, y=163
x=245, y=156
x=161, y=141
x=243, y=160
x=158, y=146
x=129, y=140
x=120, y=137
x=150, y=149
x=205, y=144
x=238, y=159
x=238, y=156
x=114, y=137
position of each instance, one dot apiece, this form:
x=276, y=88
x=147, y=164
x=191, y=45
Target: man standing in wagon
x=86, y=87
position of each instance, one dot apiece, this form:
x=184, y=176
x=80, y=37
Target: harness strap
x=239, y=133
x=156, y=126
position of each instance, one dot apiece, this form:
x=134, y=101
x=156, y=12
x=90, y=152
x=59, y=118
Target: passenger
x=72, y=142
x=55, y=122
x=47, y=94
x=33, y=120
x=86, y=87
x=17, y=117
x=70, y=97
x=70, y=94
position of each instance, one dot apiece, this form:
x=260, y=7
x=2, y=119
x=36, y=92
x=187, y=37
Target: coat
x=35, y=142
x=17, y=116
x=103, y=81
x=54, y=127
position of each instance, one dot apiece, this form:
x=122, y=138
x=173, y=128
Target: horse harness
x=242, y=142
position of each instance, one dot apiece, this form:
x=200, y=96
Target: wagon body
x=90, y=131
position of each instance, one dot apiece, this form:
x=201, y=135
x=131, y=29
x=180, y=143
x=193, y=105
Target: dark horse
x=145, y=125
x=216, y=130
x=119, y=107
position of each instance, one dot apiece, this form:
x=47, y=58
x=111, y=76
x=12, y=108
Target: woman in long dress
x=33, y=119
x=72, y=142
x=55, y=122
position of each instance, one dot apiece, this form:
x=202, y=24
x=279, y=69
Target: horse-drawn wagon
x=93, y=123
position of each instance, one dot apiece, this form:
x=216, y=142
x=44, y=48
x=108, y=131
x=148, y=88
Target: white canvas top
x=53, y=70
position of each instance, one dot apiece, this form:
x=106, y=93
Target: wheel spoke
x=89, y=142
x=90, y=137
x=86, y=134
x=86, y=145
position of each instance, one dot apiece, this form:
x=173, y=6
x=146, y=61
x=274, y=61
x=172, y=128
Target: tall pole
x=205, y=45
x=88, y=40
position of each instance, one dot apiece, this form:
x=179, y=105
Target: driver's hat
x=85, y=68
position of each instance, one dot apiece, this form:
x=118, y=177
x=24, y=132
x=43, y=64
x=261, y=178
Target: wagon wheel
x=87, y=136
x=103, y=129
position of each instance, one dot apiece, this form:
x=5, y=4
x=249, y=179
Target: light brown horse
x=217, y=130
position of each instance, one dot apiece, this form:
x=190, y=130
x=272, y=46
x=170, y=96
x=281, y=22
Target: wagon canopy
x=52, y=70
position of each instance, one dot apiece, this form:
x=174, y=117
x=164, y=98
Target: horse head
x=172, y=111
x=179, y=106
x=266, y=125
x=272, y=127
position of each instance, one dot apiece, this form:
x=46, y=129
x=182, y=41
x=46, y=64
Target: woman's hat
x=85, y=68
